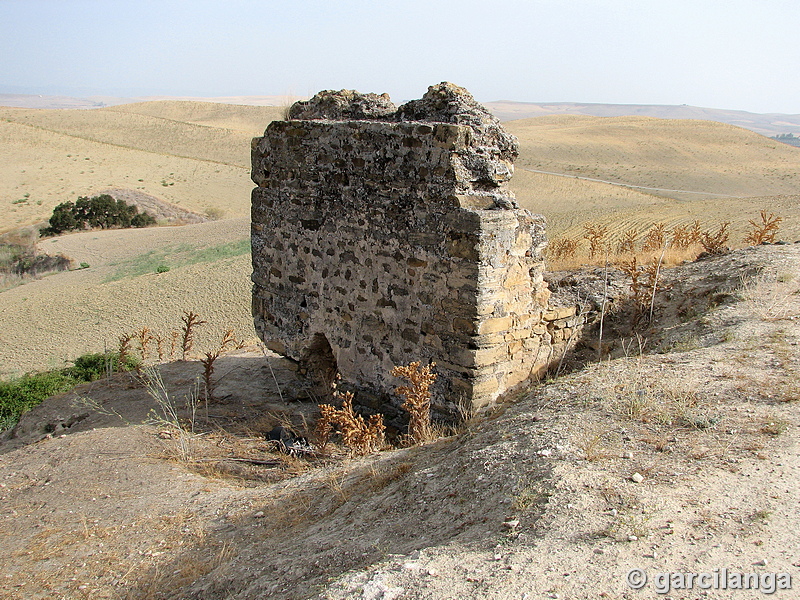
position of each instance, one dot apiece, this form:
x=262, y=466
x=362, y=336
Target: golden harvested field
x=48, y=322
x=700, y=170
x=58, y=155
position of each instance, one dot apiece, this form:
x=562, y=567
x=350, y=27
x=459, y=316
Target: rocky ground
x=678, y=451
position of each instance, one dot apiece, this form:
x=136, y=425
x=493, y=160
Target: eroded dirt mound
x=162, y=211
x=681, y=456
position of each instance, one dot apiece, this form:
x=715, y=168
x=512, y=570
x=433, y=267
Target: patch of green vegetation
x=18, y=396
x=21, y=395
x=101, y=211
x=176, y=256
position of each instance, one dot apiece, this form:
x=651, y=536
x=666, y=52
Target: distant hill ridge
x=768, y=124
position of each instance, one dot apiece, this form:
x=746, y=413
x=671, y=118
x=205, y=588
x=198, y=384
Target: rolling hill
x=191, y=154
x=664, y=170
x=572, y=169
x=196, y=154
x=767, y=124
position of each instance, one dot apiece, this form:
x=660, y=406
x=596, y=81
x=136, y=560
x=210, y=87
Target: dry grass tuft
x=658, y=400
x=771, y=296
x=773, y=425
x=593, y=443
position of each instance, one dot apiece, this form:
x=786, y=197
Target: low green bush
x=18, y=396
x=91, y=367
x=101, y=212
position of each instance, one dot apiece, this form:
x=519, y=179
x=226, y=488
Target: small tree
x=101, y=211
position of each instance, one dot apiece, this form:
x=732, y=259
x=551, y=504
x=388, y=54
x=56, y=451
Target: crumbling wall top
x=484, y=163
x=344, y=105
x=442, y=103
x=449, y=103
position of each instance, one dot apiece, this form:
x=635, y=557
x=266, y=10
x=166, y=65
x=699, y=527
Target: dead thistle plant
x=124, y=350
x=228, y=340
x=695, y=233
x=655, y=238
x=190, y=321
x=417, y=399
x=144, y=337
x=173, y=343
x=714, y=242
x=765, y=231
x=627, y=243
x=643, y=285
x=562, y=249
x=596, y=235
x=360, y=435
x=681, y=237
x=160, y=347
x=634, y=272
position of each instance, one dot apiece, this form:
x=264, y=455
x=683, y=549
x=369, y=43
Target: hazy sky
x=717, y=53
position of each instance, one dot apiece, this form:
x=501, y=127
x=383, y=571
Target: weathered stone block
x=495, y=324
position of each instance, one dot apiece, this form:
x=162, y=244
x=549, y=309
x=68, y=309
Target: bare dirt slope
x=683, y=455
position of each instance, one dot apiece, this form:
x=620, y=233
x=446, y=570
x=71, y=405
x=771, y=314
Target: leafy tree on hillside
x=101, y=211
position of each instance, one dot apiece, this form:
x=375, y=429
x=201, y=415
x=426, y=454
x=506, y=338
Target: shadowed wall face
x=385, y=235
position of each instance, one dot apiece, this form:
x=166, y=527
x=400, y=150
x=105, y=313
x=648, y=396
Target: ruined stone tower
x=385, y=235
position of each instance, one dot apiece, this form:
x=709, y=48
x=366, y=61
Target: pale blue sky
x=717, y=53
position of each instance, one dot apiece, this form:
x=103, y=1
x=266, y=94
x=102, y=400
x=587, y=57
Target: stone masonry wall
x=385, y=235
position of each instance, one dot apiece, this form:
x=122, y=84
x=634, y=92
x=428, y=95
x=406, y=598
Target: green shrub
x=22, y=394
x=91, y=367
x=162, y=269
x=101, y=211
